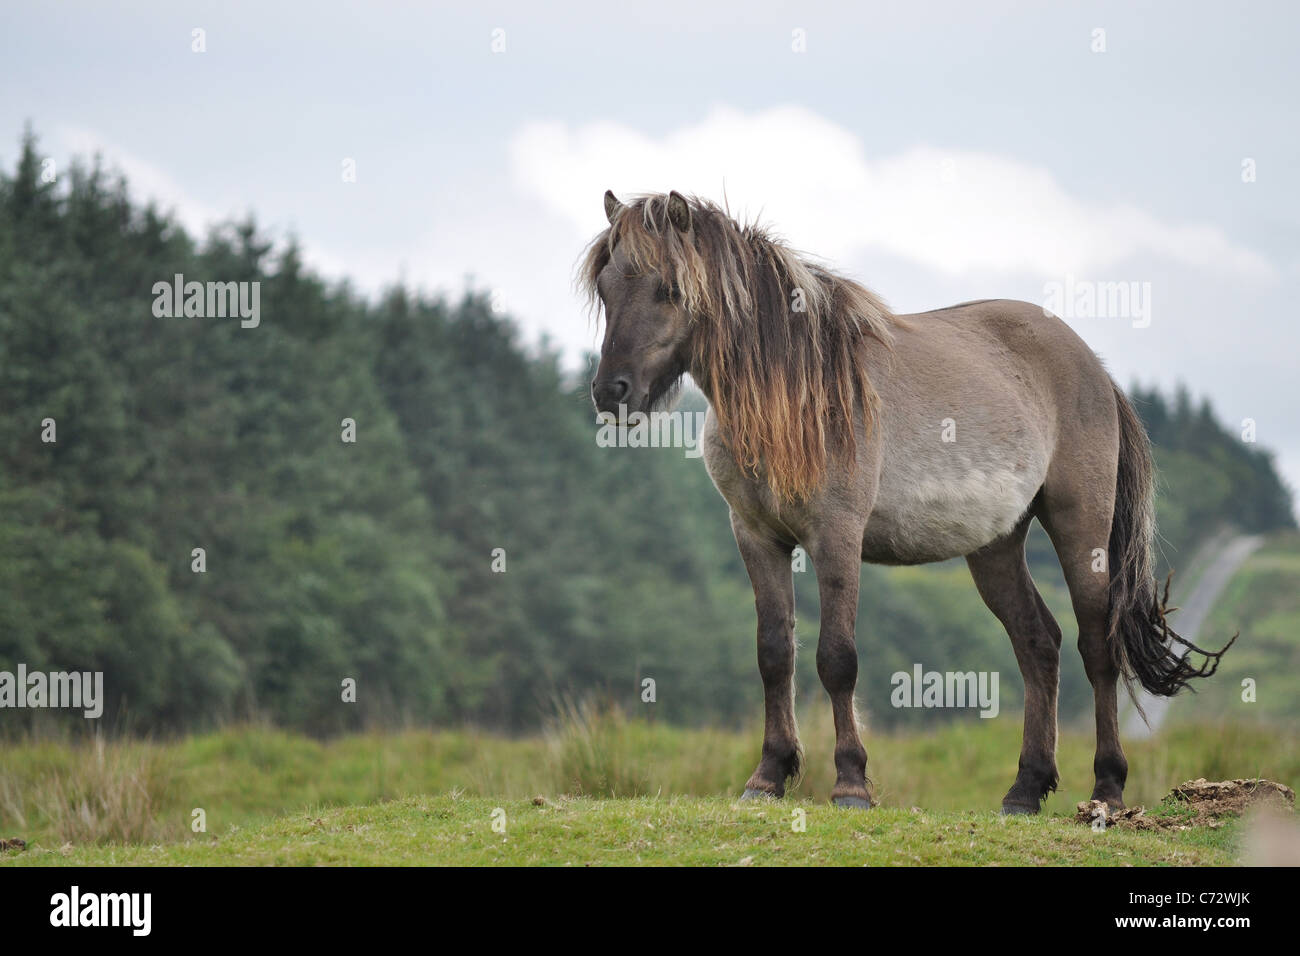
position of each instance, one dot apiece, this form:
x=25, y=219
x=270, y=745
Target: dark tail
x=1142, y=644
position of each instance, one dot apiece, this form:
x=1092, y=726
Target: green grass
x=709, y=831
x=423, y=796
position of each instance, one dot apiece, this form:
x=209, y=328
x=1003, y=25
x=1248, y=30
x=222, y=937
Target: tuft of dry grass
x=102, y=794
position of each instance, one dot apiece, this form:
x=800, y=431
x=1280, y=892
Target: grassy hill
x=1262, y=601
x=613, y=789
x=456, y=830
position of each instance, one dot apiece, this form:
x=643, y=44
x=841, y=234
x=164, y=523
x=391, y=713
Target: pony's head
x=639, y=273
x=773, y=339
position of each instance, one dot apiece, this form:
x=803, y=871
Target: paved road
x=1189, y=619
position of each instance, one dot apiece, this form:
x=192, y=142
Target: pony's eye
x=666, y=293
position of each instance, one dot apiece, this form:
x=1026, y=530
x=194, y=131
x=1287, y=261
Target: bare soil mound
x=1196, y=803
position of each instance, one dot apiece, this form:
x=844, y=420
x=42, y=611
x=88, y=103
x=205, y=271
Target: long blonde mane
x=778, y=340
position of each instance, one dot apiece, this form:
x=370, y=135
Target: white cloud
x=958, y=212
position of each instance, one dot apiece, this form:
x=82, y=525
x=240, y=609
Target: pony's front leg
x=838, y=564
x=768, y=564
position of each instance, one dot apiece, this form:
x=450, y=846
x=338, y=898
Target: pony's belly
x=937, y=517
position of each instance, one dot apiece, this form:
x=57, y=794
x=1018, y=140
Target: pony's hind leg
x=768, y=564
x=1079, y=527
x=1003, y=580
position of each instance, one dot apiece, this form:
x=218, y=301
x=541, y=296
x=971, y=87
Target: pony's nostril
x=610, y=393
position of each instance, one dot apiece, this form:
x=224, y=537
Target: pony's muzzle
x=609, y=394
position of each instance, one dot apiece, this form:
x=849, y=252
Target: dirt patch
x=1196, y=803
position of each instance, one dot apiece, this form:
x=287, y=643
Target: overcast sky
x=937, y=152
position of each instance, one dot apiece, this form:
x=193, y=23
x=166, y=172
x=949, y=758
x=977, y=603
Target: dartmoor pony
x=894, y=439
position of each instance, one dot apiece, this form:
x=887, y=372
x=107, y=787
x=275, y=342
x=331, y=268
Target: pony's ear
x=612, y=206
x=679, y=211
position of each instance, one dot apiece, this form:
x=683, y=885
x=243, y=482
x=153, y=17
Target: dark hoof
x=1018, y=810
x=852, y=803
x=752, y=794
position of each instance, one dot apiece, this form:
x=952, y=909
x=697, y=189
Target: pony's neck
x=708, y=388
x=701, y=382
